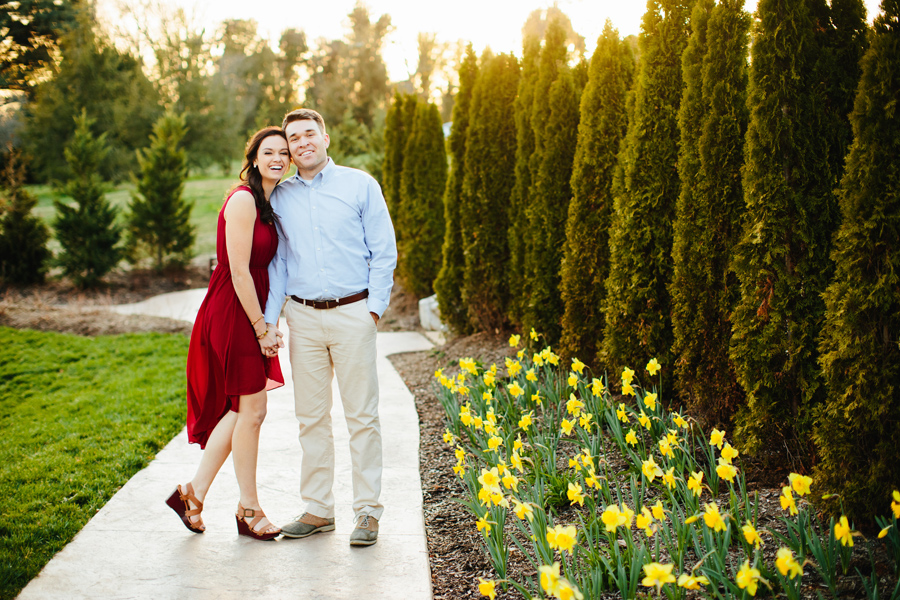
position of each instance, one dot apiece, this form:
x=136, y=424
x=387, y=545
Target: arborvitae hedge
x=858, y=426
x=713, y=123
x=517, y=233
x=159, y=220
x=783, y=260
x=489, y=175
x=638, y=325
x=449, y=282
x=87, y=232
x=24, y=255
x=422, y=214
x=398, y=124
x=551, y=172
x=586, y=260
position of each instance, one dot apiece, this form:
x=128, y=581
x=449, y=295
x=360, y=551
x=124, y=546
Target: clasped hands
x=272, y=341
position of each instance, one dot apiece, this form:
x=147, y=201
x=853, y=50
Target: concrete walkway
x=135, y=546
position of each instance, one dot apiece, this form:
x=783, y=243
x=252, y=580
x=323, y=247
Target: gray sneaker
x=299, y=529
x=366, y=532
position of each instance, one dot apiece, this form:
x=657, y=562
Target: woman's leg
x=245, y=448
x=218, y=447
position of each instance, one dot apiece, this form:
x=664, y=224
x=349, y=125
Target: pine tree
x=601, y=128
x=520, y=197
x=159, y=216
x=422, y=188
x=449, y=282
x=858, y=426
x=783, y=260
x=87, y=231
x=24, y=255
x=713, y=122
x=638, y=325
x=551, y=172
x=396, y=136
x=489, y=175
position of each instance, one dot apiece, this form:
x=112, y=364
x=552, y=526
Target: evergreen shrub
x=24, y=256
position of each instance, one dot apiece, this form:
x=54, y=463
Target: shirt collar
x=321, y=175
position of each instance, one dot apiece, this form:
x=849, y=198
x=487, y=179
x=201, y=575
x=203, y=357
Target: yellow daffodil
x=490, y=478
x=501, y=468
x=631, y=438
x=751, y=535
x=566, y=426
x=464, y=390
x=478, y=422
x=689, y=582
x=644, y=521
x=747, y=578
x=523, y=510
x=692, y=519
x=553, y=359
x=591, y=480
x=549, y=577
x=515, y=389
x=448, y=437
x=520, y=354
x=584, y=421
x=490, y=378
x=566, y=591
x=487, y=396
x=574, y=463
x=786, y=563
x=439, y=373
x=577, y=366
x=495, y=442
x=514, y=340
x=517, y=445
x=627, y=375
x=536, y=398
x=574, y=405
x=572, y=380
x=627, y=390
x=621, y=414
x=612, y=517
x=884, y=531
x=895, y=504
x=717, y=438
x=529, y=375
x=596, y=387
x=657, y=575
x=713, y=518
x=644, y=420
x=468, y=365
x=460, y=377
x=726, y=471
x=650, y=401
x=516, y=461
x=460, y=470
x=483, y=523
x=533, y=334
x=680, y=422
x=538, y=359
x=466, y=419
x=490, y=428
x=486, y=588
x=650, y=469
x=669, y=478
x=562, y=538
x=729, y=453
x=525, y=421
x=843, y=533
x=695, y=483
x=574, y=494
x=659, y=512
x=460, y=454
x=511, y=482
x=513, y=367
x=800, y=483
x=629, y=515
x=653, y=366
x=665, y=448
x=787, y=500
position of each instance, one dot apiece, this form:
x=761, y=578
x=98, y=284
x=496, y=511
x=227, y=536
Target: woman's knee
x=253, y=409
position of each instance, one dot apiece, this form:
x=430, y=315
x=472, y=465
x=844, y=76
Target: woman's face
x=273, y=158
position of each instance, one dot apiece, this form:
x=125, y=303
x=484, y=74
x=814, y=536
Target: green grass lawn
x=78, y=417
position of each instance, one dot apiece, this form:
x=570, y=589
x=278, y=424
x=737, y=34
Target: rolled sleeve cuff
x=376, y=306
x=273, y=310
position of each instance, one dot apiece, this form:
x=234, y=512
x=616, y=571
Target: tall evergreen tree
x=396, y=131
x=489, y=175
x=520, y=197
x=422, y=188
x=24, y=255
x=551, y=172
x=159, y=215
x=858, y=426
x=586, y=259
x=713, y=122
x=87, y=231
x=783, y=260
x=638, y=325
x=449, y=282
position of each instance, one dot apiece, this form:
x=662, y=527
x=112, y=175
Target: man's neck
x=311, y=174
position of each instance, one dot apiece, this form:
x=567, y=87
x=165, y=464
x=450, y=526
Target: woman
x=232, y=358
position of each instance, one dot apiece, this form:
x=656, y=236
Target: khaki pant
x=325, y=342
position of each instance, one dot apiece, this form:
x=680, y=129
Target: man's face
x=308, y=146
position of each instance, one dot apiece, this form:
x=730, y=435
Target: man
x=336, y=258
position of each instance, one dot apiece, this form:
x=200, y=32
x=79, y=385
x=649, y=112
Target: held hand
x=278, y=335
x=374, y=317
x=269, y=343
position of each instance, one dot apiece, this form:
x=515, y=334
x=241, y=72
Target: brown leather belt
x=332, y=303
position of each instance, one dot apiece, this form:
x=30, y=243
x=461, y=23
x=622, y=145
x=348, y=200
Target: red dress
x=224, y=359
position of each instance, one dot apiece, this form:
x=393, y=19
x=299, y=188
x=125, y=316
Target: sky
x=494, y=23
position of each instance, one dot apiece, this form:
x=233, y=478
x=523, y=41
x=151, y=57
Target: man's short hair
x=304, y=114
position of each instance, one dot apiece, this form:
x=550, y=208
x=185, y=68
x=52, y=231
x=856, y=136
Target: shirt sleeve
x=382, y=246
x=277, y=280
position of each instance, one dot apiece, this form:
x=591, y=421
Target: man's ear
x=327, y=140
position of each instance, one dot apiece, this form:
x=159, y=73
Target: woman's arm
x=240, y=217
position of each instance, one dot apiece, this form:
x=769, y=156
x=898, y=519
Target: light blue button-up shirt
x=335, y=238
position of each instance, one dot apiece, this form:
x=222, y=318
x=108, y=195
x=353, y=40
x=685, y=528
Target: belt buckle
x=332, y=303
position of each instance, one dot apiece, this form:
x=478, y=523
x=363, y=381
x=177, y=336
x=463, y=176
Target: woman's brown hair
x=250, y=175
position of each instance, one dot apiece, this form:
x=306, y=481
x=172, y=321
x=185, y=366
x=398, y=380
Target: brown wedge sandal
x=269, y=533
x=180, y=502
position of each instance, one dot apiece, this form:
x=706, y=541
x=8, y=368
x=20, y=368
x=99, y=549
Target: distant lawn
x=78, y=417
